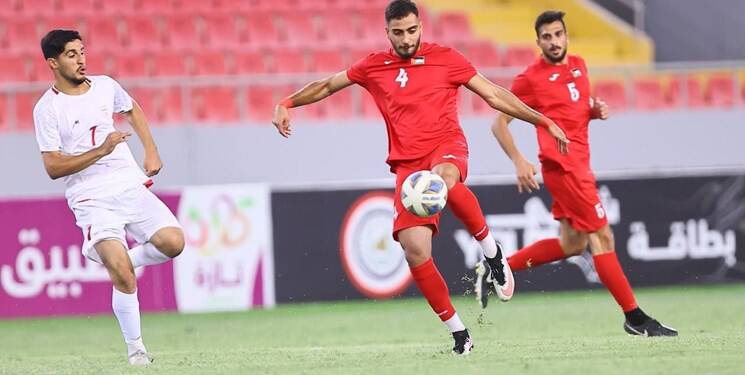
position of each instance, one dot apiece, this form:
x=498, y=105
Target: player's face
x=405, y=34
x=71, y=62
x=552, y=39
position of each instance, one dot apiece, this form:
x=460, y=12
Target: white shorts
x=136, y=210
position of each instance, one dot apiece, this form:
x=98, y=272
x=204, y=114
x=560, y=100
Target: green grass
x=539, y=333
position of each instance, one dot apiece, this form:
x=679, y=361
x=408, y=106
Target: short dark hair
x=549, y=16
x=398, y=9
x=53, y=44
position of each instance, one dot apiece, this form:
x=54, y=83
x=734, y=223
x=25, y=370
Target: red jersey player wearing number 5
x=558, y=84
x=415, y=87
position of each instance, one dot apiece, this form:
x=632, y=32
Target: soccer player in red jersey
x=558, y=85
x=415, y=87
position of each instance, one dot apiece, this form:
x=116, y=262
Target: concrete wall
x=356, y=151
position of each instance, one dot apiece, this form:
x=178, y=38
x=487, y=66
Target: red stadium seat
x=119, y=8
x=13, y=68
x=298, y=29
x=25, y=102
x=612, y=92
x=327, y=61
x=132, y=65
x=210, y=63
x=169, y=64
x=694, y=92
x=61, y=22
x=77, y=8
x=181, y=32
x=338, y=105
x=161, y=105
x=452, y=27
x=357, y=54
x=4, y=120
x=368, y=106
x=371, y=29
x=99, y=63
x=648, y=94
x=221, y=31
x=519, y=56
x=214, y=104
x=289, y=61
x=22, y=34
x=101, y=34
x=142, y=34
x=9, y=8
x=156, y=6
x=334, y=28
x=250, y=62
x=720, y=91
x=262, y=30
x=39, y=69
x=38, y=7
x=482, y=54
x=199, y=6
x=260, y=99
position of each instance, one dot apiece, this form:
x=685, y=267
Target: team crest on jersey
x=419, y=60
x=576, y=72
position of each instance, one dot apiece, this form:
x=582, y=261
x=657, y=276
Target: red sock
x=466, y=207
x=537, y=253
x=433, y=287
x=611, y=274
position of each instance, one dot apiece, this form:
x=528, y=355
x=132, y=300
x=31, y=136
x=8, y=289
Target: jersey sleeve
x=357, y=73
x=47, y=129
x=523, y=90
x=460, y=70
x=122, y=100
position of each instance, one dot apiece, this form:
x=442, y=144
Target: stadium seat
x=99, y=63
x=39, y=69
x=181, y=32
x=161, y=105
x=452, y=27
x=371, y=28
x=142, y=34
x=22, y=35
x=61, y=22
x=152, y=7
x=519, y=56
x=695, y=92
x=214, y=104
x=221, y=31
x=4, y=120
x=210, y=63
x=118, y=8
x=288, y=61
x=169, y=64
x=101, y=34
x=250, y=62
x=38, y=7
x=261, y=30
x=298, y=30
x=77, y=8
x=482, y=54
x=339, y=105
x=720, y=91
x=132, y=65
x=259, y=102
x=327, y=61
x=612, y=92
x=648, y=94
x=9, y=8
x=334, y=27
x=199, y=6
x=13, y=68
x=367, y=105
x=24, y=106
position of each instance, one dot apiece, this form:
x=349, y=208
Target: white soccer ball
x=424, y=193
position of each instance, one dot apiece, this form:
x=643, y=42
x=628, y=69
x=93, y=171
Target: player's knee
x=606, y=239
x=575, y=245
x=172, y=243
x=416, y=254
x=123, y=276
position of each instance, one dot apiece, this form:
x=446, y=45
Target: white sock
x=146, y=255
x=127, y=310
x=488, y=246
x=454, y=324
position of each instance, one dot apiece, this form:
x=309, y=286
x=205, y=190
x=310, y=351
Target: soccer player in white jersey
x=106, y=189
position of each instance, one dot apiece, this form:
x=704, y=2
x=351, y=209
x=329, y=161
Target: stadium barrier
x=248, y=246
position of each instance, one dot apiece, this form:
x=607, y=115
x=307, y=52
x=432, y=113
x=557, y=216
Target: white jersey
x=74, y=124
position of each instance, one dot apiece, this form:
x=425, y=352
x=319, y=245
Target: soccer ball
x=424, y=193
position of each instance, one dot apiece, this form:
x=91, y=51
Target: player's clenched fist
x=114, y=138
x=282, y=120
x=600, y=109
x=525, y=176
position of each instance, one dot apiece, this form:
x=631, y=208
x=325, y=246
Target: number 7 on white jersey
x=402, y=77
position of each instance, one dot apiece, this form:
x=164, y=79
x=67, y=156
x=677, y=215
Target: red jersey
x=417, y=97
x=561, y=93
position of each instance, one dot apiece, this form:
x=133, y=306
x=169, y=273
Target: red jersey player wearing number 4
x=415, y=87
x=558, y=84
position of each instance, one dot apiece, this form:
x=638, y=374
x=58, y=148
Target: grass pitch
x=538, y=333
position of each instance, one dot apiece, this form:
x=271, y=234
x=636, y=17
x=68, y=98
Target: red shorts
x=455, y=152
x=576, y=199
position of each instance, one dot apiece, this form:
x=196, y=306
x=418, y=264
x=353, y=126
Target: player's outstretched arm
x=59, y=165
x=524, y=169
x=311, y=93
x=136, y=118
x=503, y=100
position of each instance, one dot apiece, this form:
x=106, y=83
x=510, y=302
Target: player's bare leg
x=611, y=274
x=465, y=206
x=166, y=244
x=124, y=298
x=417, y=245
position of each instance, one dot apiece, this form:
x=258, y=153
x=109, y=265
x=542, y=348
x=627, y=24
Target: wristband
x=287, y=103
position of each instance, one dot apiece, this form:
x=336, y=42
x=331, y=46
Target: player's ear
x=53, y=63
